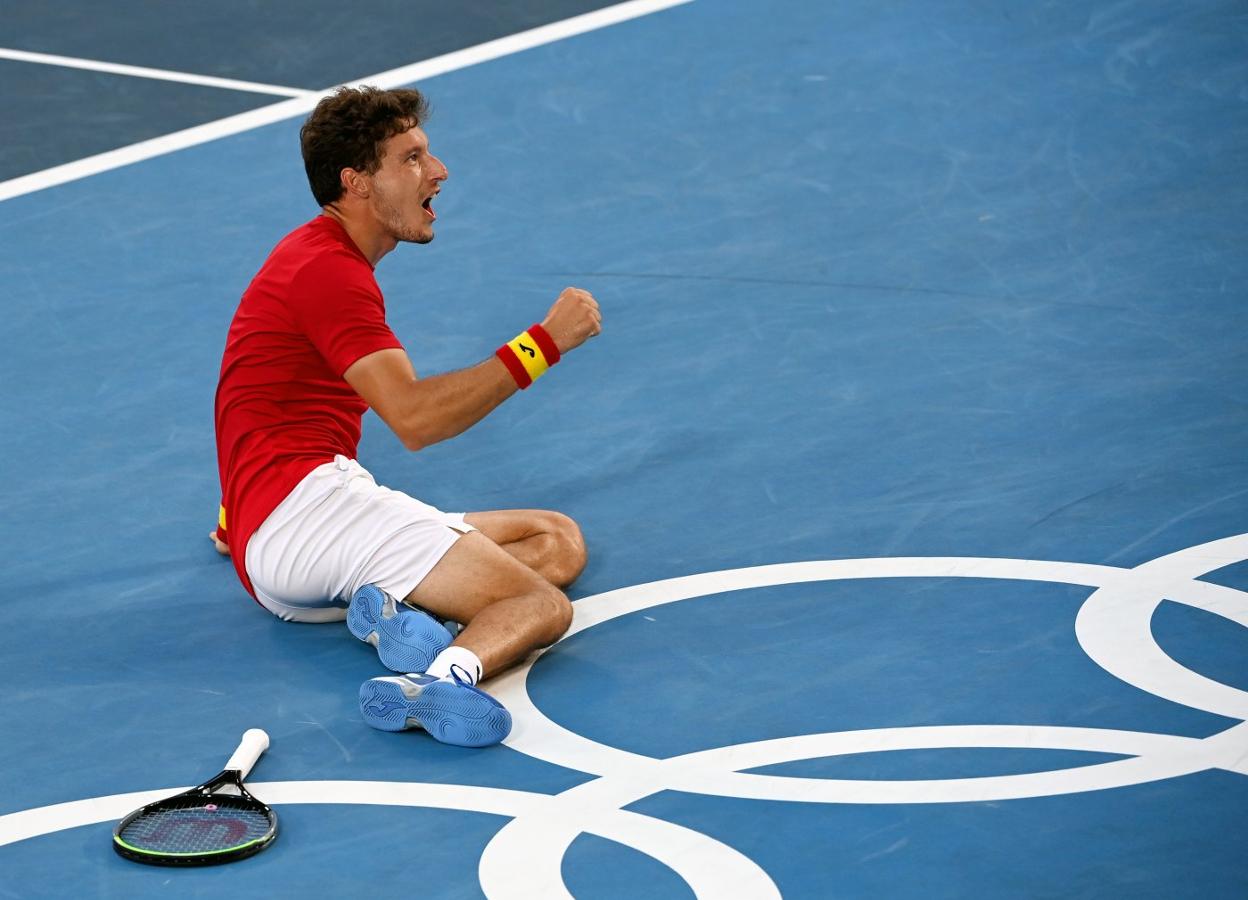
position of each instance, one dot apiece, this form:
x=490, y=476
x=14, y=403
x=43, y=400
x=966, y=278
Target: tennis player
x=312, y=536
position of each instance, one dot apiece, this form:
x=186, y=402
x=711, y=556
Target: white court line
x=95, y=65
x=296, y=106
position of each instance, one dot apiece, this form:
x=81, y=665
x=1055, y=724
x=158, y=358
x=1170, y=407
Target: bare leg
x=503, y=582
x=509, y=609
x=547, y=542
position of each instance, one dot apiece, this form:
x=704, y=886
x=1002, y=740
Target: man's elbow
x=420, y=426
x=418, y=436
x=414, y=440
x=410, y=426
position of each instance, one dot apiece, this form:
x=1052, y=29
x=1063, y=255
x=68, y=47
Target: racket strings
x=197, y=825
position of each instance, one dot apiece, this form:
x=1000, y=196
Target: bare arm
x=424, y=411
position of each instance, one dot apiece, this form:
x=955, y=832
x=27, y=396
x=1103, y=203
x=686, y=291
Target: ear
x=355, y=183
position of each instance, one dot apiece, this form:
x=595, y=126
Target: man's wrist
x=529, y=355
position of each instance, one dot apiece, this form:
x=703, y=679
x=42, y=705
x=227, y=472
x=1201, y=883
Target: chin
x=414, y=237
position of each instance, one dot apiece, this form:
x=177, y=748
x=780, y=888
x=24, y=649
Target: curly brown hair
x=347, y=129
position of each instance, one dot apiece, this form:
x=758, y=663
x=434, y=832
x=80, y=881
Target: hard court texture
x=920, y=408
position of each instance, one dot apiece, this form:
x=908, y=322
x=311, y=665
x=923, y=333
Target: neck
x=364, y=232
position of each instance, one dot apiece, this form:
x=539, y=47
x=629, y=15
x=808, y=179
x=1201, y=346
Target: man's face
x=404, y=185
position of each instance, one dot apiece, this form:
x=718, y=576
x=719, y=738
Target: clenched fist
x=573, y=320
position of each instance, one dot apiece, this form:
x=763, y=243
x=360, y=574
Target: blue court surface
x=912, y=458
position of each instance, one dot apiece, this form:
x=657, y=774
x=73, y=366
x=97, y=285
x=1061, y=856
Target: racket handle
x=253, y=744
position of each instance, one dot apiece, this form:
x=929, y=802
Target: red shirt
x=282, y=405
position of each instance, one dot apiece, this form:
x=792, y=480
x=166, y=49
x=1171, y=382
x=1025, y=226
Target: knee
x=568, y=554
x=556, y=614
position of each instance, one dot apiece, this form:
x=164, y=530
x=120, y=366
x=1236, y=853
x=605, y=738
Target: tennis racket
x=217, y=822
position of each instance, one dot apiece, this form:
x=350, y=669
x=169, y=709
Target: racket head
x=217, y=822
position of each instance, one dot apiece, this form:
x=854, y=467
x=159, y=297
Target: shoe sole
x=406, y=642
x=451, y=713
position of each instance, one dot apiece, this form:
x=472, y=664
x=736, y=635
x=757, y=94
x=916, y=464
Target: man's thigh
x=471, y=575
x=549, y=543
x=507, y=526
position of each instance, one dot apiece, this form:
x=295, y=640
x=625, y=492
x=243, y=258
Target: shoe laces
x=464, y=679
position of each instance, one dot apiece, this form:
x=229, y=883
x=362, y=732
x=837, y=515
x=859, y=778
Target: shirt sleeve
x=336, y=302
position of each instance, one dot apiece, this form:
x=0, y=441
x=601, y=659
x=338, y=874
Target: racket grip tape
x=254, y=743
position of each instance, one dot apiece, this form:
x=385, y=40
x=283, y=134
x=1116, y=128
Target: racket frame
x=254, y=743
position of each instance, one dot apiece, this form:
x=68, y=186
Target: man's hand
x=573, y=319
x=223, y=549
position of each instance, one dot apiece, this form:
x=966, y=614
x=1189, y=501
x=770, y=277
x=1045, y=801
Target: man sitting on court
x=312, y=536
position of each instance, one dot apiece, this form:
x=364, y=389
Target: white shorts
x=337, y=531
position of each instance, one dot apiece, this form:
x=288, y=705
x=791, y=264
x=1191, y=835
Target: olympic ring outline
x=1120, y=594
x=524, y=857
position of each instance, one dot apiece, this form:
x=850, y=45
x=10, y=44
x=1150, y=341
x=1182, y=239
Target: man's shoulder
x=321, y=239
x=317, y=253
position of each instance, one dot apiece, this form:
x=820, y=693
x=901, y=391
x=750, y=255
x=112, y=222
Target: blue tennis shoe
x=406, y=638
x=451, y=709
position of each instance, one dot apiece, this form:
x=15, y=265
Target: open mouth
x=427, y=206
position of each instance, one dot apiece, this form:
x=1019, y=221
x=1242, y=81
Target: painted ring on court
x=542, y=826
x=1121, y=595
x=525, y=857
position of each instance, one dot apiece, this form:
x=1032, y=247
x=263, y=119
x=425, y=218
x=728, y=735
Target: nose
x=441, y=173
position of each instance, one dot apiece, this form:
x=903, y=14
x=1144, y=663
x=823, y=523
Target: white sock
x=466, y=663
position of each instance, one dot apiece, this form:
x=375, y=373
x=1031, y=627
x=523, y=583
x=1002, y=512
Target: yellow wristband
x=529, y=354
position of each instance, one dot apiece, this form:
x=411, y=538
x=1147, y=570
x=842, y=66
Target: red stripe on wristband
x=514, y=366
x=546, y=343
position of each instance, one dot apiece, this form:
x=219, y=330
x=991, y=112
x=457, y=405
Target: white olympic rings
x=524, y=858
